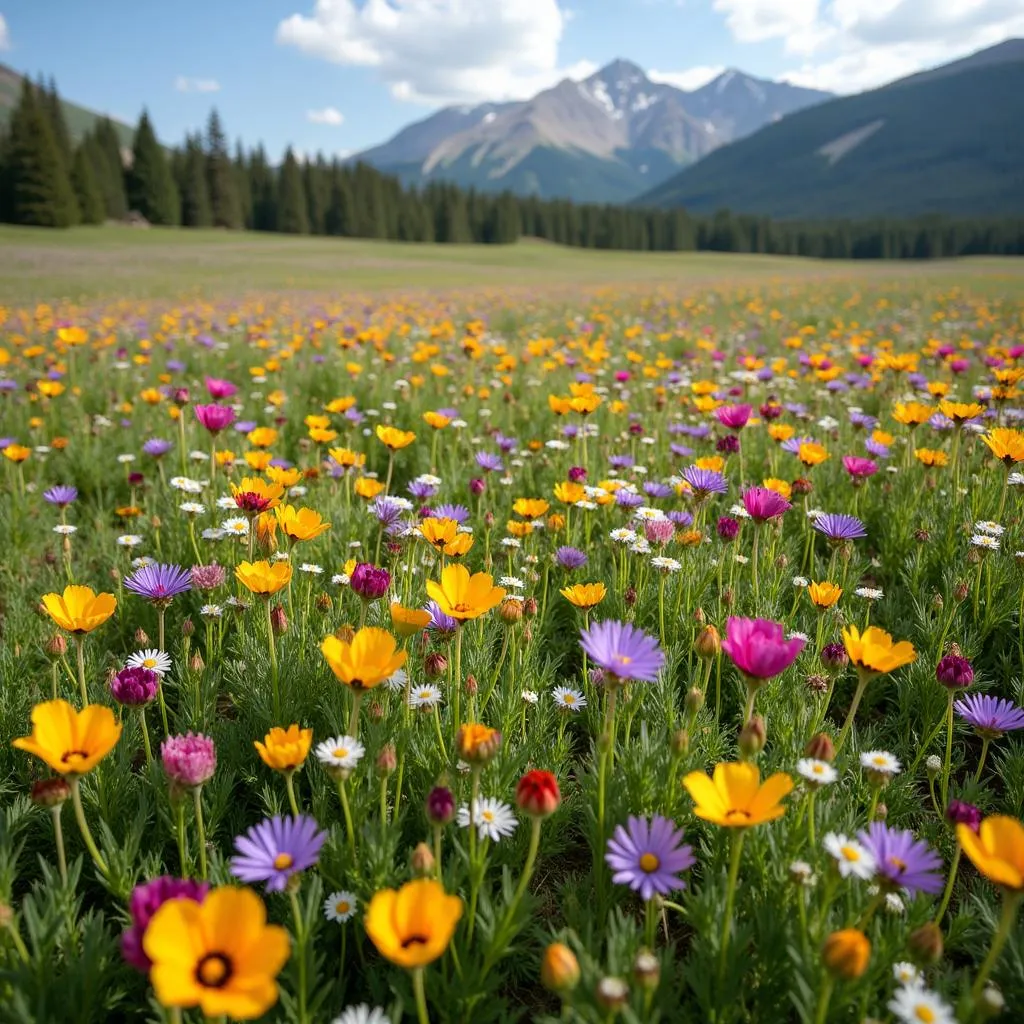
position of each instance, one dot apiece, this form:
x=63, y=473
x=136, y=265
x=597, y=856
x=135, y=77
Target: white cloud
x=329, y=115
x=5, y=36
x=184, y=84
x=689, y=78
x=752, y=21
x=440, y=51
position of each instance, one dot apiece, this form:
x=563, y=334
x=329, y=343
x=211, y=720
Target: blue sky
x=341, y=75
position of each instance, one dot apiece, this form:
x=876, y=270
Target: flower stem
x=981, y=760
x=949, y=752
x=80, y=654
x=1010, y=903
x=346, y=810
x=524, y=878
x=824, y=998
x=160, y=689
x=949, y=885
x=353, y=722
x=179, y=825
x=730, y=896
x=274, y=680
x=300, y=953
x=421, y=998
x=289, y=784
x=197, y=797
x=863, y=678
x=58, y=838
x=145, y=735
x=457, y=688
x=83, y=825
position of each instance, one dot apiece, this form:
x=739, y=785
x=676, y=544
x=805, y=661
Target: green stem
x=289, y=784
x=274, y=679
x=457, y=688
x=197, y=797
x=160, y=689
x=145, y=735
x=949, y=752
x=179, y=826
x=83, y=825
x=524, y=878
x=58, y=838
x=353, y=722
x=949, y=885
x=981, y=760
x=346, y=810
x=421, y=997
x=300, y=953
x=863, y=678
x=1010, y=903
x=730, y=896
x=824, y=998
x=80, y=655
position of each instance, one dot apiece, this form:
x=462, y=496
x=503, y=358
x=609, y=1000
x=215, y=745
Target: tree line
x=49, y=181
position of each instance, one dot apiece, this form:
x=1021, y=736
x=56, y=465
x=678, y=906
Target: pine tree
x=151, y=189
x=110, y=169
x=339, y=219
x=87, y=190
x=196, y=208
x=220, y=177
x=313, y=181
x=55, y=112
x=244, y=186
x=37, y=185
x=264, y=192
x=292, y=216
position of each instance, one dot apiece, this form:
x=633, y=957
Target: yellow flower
x=912, y=414
x=413, y=926
x=735, y=797
x=284, y=477
x=875, y=651
x=284, y=749
x=219, y=955
x=438, y=531
x=780, y=432
x=584, y=595
x=368, y=488
x=17, y=452
x=584, y=404
x=811, y=454
x=569, y=493
x=367, y=660
x=79, y=609
x=463, y=596
x=262, y=577
x=254, y=495
x=517, y=529
x=778, y=486
x=846, y=953
x=996, y=850
x=346, y=458
x=931, y=457
x=301, y=524
x=258, y=460
x=393, y=438
x=960, y=412
x=477, y=743
x=321, y=436
x=713, y=462
x=71, y=742
x=531, y=508
x=406, y=621
x=436, y=420
x=824, y=595
x=262, y=437
x=1006, y=444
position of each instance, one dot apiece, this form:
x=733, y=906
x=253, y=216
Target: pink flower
x=659, y=531
x=220, y=388
x=215, y=417
x=759, y=648
x=189, y=760
x=762, y=504
x=859, y=467
x=733, y=416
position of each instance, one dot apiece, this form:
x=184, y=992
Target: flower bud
x=440, y=806
x=834, y=657
x=376, y=711
x=728, y=597
x=387, y=761
x=56, y=646
x=50, y=792
x=488, y=519
x=477, y=487
x=278, y=620
x=699, y=617
x=530, y=607
x=472, y=686
x=422, y=861
x=323, y=603
x=612, y=993
x=680, y=743
x=188, y=628
x=954, y=672
x=646, y=969
x=435, y=665
x=510, y=611
x=559, y=969
x=817, y=683
x=141, y=638
x=630, y=599
x=708, y=643
x=926, y=943
x=345, y=634
x=991, y=1002
x=959, y=812
x=801, y=486
x=933, y=766
x=537, y=794
x=753, y=737
x=694, y=702
x=196, y=663
x=960, y=592
x=846, y=954
x=477, y=743
x=937, y=603
x=881, y=812
x=821, y=748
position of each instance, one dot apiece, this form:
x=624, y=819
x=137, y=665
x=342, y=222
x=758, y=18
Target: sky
x=338, y=76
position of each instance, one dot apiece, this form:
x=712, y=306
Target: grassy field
x=112, y=262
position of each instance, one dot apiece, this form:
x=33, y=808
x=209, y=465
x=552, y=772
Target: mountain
x=945, y=141
x=605, y=139
x=79, y=119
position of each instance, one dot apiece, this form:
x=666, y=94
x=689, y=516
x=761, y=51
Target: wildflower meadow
x=639, y=655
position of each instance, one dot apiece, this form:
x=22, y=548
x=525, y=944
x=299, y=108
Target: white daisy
x=340, y=752
x=226, y=502
x=568, y=699
x=211, y=611
x=142, y=561
x=397, y=680
x=311, y=568
x=821, y=773
x=192, y=508
x=511, y=581
x=989, y=527
x=801, y=581
x=156, y=661
x=126, y=458
x=493, y=818
x=880, y=761
x=981, y=540
x=213, y=533
x=623, y=536
x=914, y=1004
x=188, y=485
x=530, y=696
x=425, y=696
x=340, y=906
x=666, y=564
x=129, y=540
x=905, y=973
x=869, y=593
x=802, y=873
x=339, y=579
x=65, y=529
x=236, y=526
x=852, y=859
x=511, y=542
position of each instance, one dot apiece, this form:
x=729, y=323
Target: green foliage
x=225, y=203
x=87, y=190
x=151, y=188
x=292, y=215
x=196, y=207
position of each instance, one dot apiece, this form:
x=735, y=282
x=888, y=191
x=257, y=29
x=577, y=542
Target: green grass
x=115, y=262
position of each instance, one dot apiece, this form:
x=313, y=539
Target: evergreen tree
x=264, y=192
x=292, y=216
x=196, y=208
x=315, y=183
x=244, y=186
x=220, y=177
x=339, y=218
x=37, y=185
x=87, y=190
x=109, y=169
x=55, y=111
x=151, y=189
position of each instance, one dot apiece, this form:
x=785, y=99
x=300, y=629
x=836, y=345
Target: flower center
x=283, y=861
x=649, y=862
x=149, y=663
x=487, y=815
x=898, y=863
x=924, y=1013
x=342, y=907
x=737, y=814
x=414, y=940
x=569, y=699
x=213, y=971
x=622, y=659
x=340, y=751
x=850, y=853
x=72, y=758
x=461, y=608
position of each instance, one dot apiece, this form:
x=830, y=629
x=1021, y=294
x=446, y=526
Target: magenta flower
x=207, y=577
x=370, y=582
x=859, y=468
x=219, y=389
x=763, y=504
x=215, y=417
x=189, y=760
x=623, y=651
x=134, y=687
x=954, y=672
x=733, y=416
x=648, y=856
x=145, y=901
x=759, y=648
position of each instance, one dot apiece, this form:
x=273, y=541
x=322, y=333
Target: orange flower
x=463, y=596
x=393, y=438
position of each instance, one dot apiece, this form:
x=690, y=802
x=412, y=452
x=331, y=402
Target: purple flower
x=489, y=463
x=627, y=499
x=570, y=558
x=656, y=489
x=276, y=849
x=648, y=856
x=839, y=526
x=834, y=656
x=954, y=672
x=623, y=651
x=727, y=528
x=156, y=447
x=901, y=860
x=873, y=447
x=763, y=504
x=759, y=648
x=134, y=687
x=577, y=474
x=728, y=445
x=421, y=490
x=159, y=581
x=448, y=511
x=145, y=901
x=659, y=531
x=215, y=417
x=704, y=481
x=863, y=420
x=680, y=517
x=189, y=760
x=369, y=581
x=387, y=511
x=620, y=461
x=961, y=813
x=507, y=445
x=440, y=806
x=859, y=467
x=207, y=577
x=439, y=621
x=991, y=716
x=61, y=495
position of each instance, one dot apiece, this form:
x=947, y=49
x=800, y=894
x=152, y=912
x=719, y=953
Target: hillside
x=944, y=141
x=604, y=139
x=79, y=119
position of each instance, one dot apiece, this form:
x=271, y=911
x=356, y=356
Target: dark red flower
x=538, y=794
